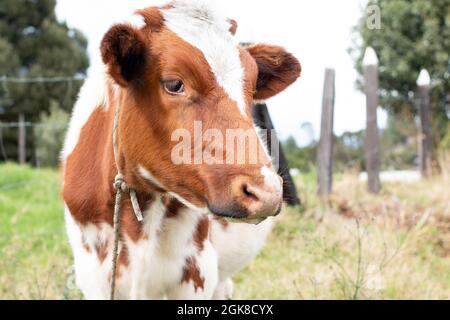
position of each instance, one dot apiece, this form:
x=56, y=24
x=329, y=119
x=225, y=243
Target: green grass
x=34, y=253
x=354, y=246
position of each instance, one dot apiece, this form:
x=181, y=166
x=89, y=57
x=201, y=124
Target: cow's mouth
x=241, y=215
x=255, y=221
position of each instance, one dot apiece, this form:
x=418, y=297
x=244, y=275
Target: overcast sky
x=318, y=32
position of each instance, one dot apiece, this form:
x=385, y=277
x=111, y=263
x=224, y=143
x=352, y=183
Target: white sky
x=317, y=32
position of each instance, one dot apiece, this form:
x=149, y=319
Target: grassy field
x=355, y=246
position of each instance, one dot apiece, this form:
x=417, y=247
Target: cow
x=181, y=67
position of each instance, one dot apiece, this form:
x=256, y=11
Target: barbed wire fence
x=22, y=126
x=17, y=125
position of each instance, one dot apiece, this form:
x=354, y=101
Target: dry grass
x=444, y=164
x=359, y=246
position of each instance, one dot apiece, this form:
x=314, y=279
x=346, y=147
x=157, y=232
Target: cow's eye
x=174, y=87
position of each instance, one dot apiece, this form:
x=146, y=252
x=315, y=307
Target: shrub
x=49, y=136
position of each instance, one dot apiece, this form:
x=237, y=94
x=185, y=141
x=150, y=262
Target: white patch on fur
x=92, y=95
x=224, y=290
x=91, y=274
x=237, y=244
x=143, y=275
x=150, y=177
x=198, y=23
x=271, y=180
x=156, y=262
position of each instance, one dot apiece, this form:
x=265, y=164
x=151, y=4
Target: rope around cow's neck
x=121, y=187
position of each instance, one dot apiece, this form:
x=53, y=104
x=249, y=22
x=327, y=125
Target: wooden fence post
x=325, y=150
x=424, y=82
x=22, y=137
x=372, y=140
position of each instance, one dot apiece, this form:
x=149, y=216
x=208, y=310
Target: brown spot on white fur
x=124, y=256
x=101, y=247
x=191, y=273
x=202, y=233
x=224, y=223
x=86, y=245
x=172, y=207
x=233, y=26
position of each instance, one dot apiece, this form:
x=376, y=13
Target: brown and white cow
x=182, y=67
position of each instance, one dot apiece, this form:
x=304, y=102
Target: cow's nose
x=262, y=201
x=262, y=198
x=250, y=198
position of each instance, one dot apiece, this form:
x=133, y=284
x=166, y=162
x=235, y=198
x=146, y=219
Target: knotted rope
x=121, y=187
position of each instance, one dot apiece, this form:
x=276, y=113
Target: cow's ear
x=124, y=52
x=277, y=69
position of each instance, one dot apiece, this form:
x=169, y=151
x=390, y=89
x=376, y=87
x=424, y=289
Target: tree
x=349, y=151
x=33, y=43
x=414, y=34
x=49, y=136
x=300, y=158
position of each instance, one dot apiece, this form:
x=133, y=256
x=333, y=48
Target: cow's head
x=184, y=81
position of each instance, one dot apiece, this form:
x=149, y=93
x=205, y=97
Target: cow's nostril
x=247, y=190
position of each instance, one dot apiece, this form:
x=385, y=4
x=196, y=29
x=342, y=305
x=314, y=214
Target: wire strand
x=6, y=79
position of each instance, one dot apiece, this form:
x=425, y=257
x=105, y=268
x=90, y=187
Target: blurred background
x=367, y=141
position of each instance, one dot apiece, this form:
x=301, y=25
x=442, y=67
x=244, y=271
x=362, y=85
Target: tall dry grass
x=358, y=246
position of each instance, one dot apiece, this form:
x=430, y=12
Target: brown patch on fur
x=152, y=17
x=85, y=245
x=123, y=260
x=172, y=208
x=124, y=257
x=130, y=224
x=202, y=233
x=87, y=189
x=233, y=26
x=165, y=200
x=224, y=223
x=101, y=248
x=191, y=272
x=89, y=174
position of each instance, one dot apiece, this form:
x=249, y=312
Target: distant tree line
x=33, y=43
x=400, y=150
x=414, y=35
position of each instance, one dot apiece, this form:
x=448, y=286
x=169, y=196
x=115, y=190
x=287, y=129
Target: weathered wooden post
x=372, y=141
x=325, y=150
x=424, y=82
x=22, y=137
